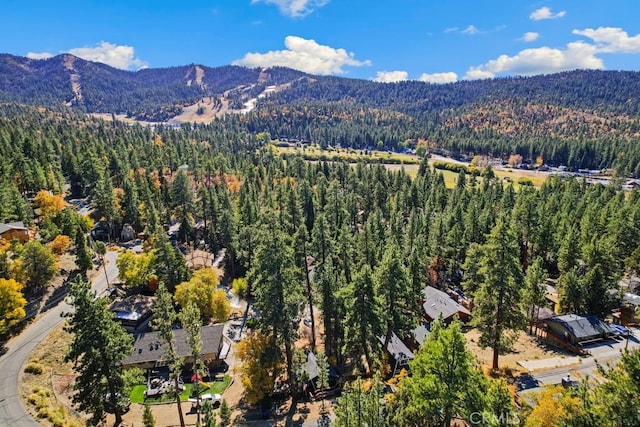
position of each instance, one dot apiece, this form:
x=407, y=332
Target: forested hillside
x=580, y=119
x=147, y=94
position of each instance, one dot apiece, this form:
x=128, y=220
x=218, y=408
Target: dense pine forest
x=377, y=236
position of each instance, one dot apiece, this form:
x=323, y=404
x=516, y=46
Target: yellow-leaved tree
x=203, y=291
x=12, y=304
x=48, y=203
x=554, y=407
x=260, y=365
x=133, y=268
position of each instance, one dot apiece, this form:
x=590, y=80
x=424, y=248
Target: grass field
x=409, y=162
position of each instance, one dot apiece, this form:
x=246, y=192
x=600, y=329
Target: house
x=437, y=303
x=577, y=329
x=14, y=230
x=133, y=311
x=399, y=352
x=149, y=348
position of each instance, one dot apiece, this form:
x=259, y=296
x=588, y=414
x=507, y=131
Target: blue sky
x=432, y=40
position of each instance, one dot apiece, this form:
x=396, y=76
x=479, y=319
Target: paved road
x=603, y=353
x=12, y=411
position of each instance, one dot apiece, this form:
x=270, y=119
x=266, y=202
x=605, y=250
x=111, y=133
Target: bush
x=34, y=368
x=240, y=286
x=525, y=182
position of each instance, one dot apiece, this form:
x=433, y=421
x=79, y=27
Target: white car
x=213, y=398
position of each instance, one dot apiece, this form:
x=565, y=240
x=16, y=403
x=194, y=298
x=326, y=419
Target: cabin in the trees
x=578, y=329
x=149, y=348
x=14, y=230
x=437, y=302
x=399, y=353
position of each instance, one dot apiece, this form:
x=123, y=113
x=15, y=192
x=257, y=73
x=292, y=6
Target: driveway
x=12, y=410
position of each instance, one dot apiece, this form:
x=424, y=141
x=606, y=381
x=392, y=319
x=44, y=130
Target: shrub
x=33, y=368
x=525, y=182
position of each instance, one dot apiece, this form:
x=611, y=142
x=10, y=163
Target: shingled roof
x=149, y=347
x=437, y=302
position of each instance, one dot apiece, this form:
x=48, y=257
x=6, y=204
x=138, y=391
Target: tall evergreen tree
x=399, y=305
x=83, y=257
x=534, y=291
x=98, y=346
x=164, y=317
x=363, y=323
x=496, y=312
x=446, y=383
x=276, y=285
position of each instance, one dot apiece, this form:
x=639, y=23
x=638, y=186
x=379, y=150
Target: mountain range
x=581, y=117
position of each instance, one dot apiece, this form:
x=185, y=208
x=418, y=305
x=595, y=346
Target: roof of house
x=582, y=326
x=4, y=227
x=397, y=348
x=437, y=302
x=149, y=347
x=132, y=307
x=420, y=333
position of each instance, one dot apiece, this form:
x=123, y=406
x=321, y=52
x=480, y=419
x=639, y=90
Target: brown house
x=14, y=230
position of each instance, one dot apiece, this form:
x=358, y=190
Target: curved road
x=12, y=410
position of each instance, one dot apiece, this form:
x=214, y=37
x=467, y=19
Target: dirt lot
x=525, y=348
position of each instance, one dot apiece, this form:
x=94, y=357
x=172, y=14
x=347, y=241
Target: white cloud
x=391, y=76
x=471, y=29
x=530, y=36
x=611, y=39
x=542, y=60
x=440, y=78
x=545, y=13
x=451, y=30
x=118, y=56
x=295, y=8
x=39, y=55
x=304, y=55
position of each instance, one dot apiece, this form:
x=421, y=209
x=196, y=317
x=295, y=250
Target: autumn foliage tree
x=260, y=365
x=203, y=291
x=12, y=304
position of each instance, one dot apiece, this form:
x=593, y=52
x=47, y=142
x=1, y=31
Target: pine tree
x=362, y=324
x=190, y=320
x=83, y=257
x=496, y=301
x=446, y=382
x=97, y=349
x=276, y=285
x=147, y=416
x=164, y=316
x=399, y=306
x=534, y=291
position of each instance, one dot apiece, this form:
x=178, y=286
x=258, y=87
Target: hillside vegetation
x=581, y=119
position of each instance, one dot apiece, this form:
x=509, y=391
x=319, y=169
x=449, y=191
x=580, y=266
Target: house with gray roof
x=149, y=348
x=399, y=352
x=578, y=329
x=437, y=302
